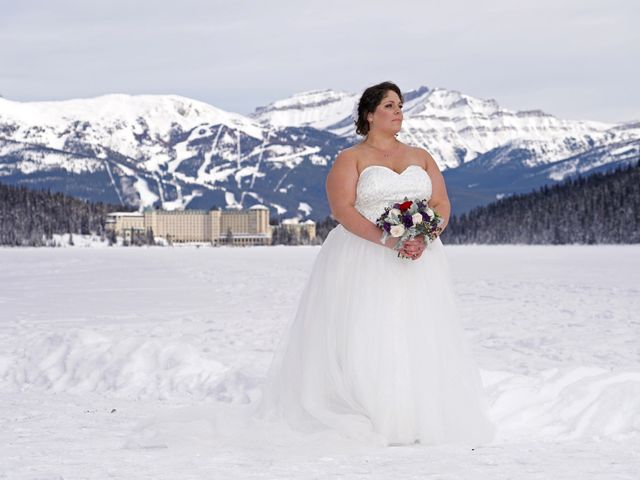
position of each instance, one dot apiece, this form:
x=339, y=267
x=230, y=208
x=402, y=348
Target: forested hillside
x=31, y=217
x=599, y=208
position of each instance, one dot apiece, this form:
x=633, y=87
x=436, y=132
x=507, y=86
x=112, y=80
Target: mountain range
x=174, y=152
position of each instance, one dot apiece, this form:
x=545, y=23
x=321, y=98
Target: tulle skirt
x=376, y=352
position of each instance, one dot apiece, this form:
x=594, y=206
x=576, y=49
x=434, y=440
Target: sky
x=575, y=59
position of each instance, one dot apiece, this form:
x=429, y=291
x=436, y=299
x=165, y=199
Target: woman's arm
x=341, y=193
x=439, y=198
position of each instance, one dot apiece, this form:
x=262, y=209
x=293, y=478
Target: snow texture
x=112, y=358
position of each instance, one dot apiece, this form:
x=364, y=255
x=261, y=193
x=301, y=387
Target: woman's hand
x=411, y=248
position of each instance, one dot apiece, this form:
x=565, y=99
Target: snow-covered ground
x=97, y=344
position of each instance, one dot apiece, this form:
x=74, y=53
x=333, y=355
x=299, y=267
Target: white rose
x=429, y=212
x=397, y=231
x=417, y=218
x=394, y=211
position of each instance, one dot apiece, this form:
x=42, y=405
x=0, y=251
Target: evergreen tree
x=150, y=239
x=32, y=217
x=599, y=208
x=304, y=237
x=323, y=227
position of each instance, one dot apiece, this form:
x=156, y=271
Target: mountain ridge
x=175, y=152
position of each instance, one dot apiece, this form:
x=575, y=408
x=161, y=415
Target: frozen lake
x=94, y=341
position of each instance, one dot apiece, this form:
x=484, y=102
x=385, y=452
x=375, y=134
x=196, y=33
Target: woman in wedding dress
x=376, y=351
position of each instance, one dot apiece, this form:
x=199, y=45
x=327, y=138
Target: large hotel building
x=218, y=227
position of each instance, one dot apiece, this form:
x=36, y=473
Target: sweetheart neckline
x=392, y=170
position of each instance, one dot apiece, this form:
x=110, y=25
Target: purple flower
x=407, y=220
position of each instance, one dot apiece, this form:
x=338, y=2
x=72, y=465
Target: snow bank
x=82, y=361
x=563, y=404
x=555, y=404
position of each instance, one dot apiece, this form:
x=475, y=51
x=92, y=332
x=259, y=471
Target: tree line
x=598, y=208
x=32, y=217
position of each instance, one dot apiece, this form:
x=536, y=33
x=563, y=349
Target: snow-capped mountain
x=455, y=128
x=503, y=171
x=182, y=153
x=320, y=109
x=167, y=150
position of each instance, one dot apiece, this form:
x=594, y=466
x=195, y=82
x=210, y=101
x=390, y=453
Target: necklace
x=386, y=153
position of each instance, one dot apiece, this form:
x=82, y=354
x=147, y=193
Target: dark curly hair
x=369, y=101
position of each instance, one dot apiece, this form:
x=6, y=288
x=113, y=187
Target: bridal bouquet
x=408, y=220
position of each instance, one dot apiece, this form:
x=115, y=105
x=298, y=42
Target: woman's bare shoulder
x=424, y=157
x=353, y=150
x=350, y=155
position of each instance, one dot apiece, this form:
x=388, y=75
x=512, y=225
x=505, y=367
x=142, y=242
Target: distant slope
x=506, y=170
x=600, y=208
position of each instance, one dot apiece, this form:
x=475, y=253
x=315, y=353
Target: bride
x=376, y=351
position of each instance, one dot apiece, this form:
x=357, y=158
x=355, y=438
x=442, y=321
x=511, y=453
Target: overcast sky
x=576, y=59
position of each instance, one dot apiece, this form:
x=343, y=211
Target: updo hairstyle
x=368, y=103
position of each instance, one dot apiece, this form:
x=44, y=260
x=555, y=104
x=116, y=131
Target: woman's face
x=388, y=114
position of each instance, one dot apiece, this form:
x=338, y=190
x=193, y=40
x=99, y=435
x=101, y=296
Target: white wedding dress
x=376, y=351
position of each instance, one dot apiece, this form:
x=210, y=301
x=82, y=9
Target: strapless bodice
x=379, y=186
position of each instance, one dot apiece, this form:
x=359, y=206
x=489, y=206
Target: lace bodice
x=379, y=186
